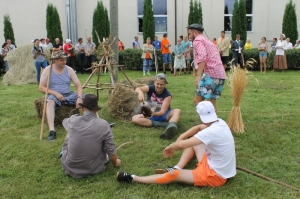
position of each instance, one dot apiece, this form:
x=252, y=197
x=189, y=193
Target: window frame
x=247, y=15
x=141, y=16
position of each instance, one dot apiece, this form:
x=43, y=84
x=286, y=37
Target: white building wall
x=29, y=18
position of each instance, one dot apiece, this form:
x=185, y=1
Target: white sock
x=132, y=176
x=176, y=167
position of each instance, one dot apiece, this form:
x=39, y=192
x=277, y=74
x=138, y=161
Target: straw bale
x=127, y=83
x=21, y=66
x=145, y=80
x=60, y=114
x=123, y=102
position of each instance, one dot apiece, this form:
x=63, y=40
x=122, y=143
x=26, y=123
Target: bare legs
x=184, y=176
x=263, y=65
x=198, y=99
x=50, y=113
x=140, y=120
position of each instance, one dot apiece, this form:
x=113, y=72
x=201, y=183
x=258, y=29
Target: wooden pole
x=45, y=101
x=267, y=178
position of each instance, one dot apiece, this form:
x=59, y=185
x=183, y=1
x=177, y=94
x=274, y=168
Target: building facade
x=29, y=18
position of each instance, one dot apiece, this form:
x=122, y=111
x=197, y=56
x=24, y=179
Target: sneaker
x=165, y=72
x=171, y=72
x=124, y=177
x=170, y=131
x=144, y=74
x=166, y=170
x=52, y=136
x=148, y=73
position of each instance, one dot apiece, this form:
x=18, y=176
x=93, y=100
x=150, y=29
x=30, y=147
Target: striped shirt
x=207, y=52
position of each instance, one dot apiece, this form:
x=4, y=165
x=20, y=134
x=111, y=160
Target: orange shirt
x=164, y=42
x=215, y=42
x=148, y=54
x=120, y=44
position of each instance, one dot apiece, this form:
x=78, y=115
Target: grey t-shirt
x=89, y=140
x=39, y=57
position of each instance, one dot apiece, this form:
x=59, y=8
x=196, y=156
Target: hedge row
x=131, y=58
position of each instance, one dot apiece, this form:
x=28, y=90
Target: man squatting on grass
x=213, y=145
x=159, y=96
x=59, y=88
x=210, y=71
x=89, y=144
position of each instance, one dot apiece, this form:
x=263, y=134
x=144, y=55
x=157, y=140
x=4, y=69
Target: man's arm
x=77, y=84
x=191, y=132
x=110, y=147
x=164, y=107
x=140, y=91
x=179, y=145
x=199, y=73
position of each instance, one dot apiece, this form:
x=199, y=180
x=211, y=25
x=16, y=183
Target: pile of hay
x=123, y=102
x=129, y=84
x=145, y=80
x=21, y=66
x=62, y=113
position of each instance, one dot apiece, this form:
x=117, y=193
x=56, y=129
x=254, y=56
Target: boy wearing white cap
x=213, y=145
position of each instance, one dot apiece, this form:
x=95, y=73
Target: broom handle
x=267, y=178
x=45, y=101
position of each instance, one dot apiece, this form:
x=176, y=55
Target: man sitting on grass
x=159, y=96
x=89, y=144
x=213, y=145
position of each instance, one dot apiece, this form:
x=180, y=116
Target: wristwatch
x=80, y=97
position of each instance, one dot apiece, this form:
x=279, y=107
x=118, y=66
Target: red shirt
x=70, y=53
x=206, y=51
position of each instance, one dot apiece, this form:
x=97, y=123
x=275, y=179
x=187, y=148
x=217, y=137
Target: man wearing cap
x=59, y=90
x=213, y=145
x=89, y=144
x=69, y=49
x=211, y=75
x=162, y=115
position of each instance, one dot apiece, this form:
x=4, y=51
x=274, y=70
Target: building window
x=229, y=5
x=160, y=15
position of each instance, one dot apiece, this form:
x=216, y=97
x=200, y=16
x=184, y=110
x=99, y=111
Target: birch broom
x=237, y=81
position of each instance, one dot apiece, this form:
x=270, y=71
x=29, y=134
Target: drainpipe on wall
x=175, y=22
x=68, y=19
x=74, y=21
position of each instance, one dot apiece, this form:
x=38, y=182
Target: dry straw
x=237, y=81
x=21, y=66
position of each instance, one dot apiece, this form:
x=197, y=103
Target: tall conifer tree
x=148, y=21
x=8, y=30
x=289, y=23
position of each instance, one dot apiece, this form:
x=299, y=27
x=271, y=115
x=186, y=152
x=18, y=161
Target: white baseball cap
x=68, y=41
x=206, y=111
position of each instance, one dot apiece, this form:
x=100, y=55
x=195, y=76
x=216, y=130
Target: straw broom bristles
x=238, y=81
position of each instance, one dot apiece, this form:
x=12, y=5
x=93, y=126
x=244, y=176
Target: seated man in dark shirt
x=57, y=46
x=163, y=115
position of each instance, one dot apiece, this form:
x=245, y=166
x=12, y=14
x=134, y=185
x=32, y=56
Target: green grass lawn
x=30, y=168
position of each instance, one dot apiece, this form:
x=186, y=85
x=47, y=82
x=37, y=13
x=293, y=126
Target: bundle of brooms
x=237, y=81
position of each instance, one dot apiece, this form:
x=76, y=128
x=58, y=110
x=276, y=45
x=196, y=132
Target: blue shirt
x=186, y=44
x=179, y=50
x=157, y=99
x=156, y=44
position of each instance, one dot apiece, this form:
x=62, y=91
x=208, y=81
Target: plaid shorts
x=210, y=88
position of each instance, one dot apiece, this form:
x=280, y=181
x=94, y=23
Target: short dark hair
x=80, y=39
x=165, y=34
x=223, y=31
x=42, y=39
x=36, y=40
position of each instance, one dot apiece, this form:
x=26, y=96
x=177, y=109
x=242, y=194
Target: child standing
x=147, y=57
x=179, y=62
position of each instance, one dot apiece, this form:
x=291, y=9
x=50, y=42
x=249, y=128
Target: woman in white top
x=289, y=45
x=280, y=57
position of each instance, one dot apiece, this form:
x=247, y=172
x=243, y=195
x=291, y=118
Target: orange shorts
x=205, y=176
